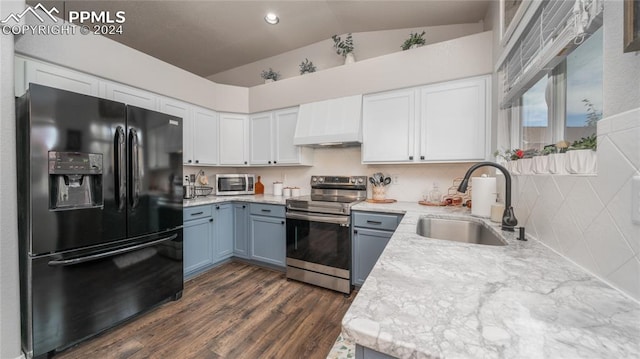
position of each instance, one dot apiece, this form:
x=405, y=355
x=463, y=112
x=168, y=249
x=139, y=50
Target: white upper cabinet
x=54, y=76
x=388, y=122
x=205, y=137
x=182, y=110
x=286, y=153
x=446, y=122
x=129, y=95
x=234, y=143
x=271, y=135
x=261, y=135
x=453, y=120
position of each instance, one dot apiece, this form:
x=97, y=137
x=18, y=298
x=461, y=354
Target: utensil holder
x=379, y=193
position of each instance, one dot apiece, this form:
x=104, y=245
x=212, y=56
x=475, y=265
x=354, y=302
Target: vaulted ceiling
x=207, y=37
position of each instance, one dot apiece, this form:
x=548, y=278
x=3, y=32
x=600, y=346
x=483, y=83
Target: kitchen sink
x=458, y=230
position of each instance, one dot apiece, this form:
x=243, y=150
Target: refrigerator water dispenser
x=75, y=180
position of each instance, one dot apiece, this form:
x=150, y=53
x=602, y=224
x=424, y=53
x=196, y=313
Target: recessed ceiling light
x=272, y=18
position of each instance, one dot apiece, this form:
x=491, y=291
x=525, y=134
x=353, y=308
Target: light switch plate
x=635, y=199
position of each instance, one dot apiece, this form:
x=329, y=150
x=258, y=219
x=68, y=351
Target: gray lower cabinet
x=371, y=233
x=241, y=225
x=197, y=239
x=267, y=238
x=368, y=245
x=223, y=231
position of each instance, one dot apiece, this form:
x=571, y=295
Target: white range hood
x=336, y=122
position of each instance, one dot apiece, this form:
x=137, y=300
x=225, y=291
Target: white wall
x=100, y=56
x=9, y=294
x=621, y=71
x=448, y=60
x=587, y=218
x=367, y=45
x=413, y=180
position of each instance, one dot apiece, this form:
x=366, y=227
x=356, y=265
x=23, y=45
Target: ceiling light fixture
x=272, y=18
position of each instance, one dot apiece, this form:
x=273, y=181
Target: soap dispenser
x=497, y=209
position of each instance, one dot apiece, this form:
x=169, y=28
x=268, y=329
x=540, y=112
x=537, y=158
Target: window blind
x=557, y=28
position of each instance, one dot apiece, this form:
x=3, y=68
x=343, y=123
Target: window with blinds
x=557, y=27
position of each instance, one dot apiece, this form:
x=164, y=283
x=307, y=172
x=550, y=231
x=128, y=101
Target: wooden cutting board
x=424, y=203
x=369, y=200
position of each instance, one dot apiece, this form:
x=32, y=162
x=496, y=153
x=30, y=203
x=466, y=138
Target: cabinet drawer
x=267, y=210
x=192, y=213
x=387, y=222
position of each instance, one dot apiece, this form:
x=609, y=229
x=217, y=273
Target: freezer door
x=154, y=142
x=59, y=210
x=80, y=294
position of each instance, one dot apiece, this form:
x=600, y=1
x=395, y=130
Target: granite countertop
x=257, y=198
x=430, y=298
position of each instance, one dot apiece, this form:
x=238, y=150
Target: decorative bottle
x=259, y=187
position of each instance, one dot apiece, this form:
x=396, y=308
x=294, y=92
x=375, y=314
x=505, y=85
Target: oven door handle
x=317, y=217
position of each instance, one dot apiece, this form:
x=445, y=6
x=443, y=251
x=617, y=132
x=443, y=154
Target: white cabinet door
x=284, y=122
x=233, y=139
x=129, y=95
x=388, y=121
x=205, y=136
x=261, y=138
x=453, y=119
x=53, y=76
x=182, y=110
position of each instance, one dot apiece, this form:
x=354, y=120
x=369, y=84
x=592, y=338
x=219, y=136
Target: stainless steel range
x=319, y=231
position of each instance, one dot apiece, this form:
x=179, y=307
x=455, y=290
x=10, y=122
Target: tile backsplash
x=588, y=218
x=414, y=180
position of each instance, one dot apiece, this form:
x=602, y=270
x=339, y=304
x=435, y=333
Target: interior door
x=153, y=204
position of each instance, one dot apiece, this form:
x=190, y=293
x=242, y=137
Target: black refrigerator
x=100, y=214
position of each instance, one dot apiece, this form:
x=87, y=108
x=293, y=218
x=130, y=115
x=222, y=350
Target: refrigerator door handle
x=134, y=150
x=94, y=257
x=120, y=175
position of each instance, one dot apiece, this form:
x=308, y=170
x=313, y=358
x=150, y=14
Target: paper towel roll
x=483, y=195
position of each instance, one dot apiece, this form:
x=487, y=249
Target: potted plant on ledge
x=557, y=159
x=307, y=67
x=344, y=48
x=414, y=40
x=270, y=75
x=581, y=156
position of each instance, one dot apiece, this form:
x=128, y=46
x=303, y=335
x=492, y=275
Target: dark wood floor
x=233, y=311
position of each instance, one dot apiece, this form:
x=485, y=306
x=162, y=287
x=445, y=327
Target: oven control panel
x=339, y=181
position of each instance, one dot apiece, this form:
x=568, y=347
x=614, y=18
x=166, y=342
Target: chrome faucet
x=509, y=220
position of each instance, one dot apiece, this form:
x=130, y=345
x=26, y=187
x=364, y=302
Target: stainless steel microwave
x=235, y=184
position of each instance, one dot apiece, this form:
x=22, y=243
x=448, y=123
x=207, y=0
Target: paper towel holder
x=509, y=220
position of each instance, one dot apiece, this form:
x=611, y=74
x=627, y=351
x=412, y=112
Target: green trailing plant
x=530, y=153
x=306, y=67
x=343, y=47
x=585, y=143
x=510, y=155
x=270, y=74
x=414, y=39
x=549, y=149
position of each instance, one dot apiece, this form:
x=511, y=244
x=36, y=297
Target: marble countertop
x=430, y=298
x=257, y=198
